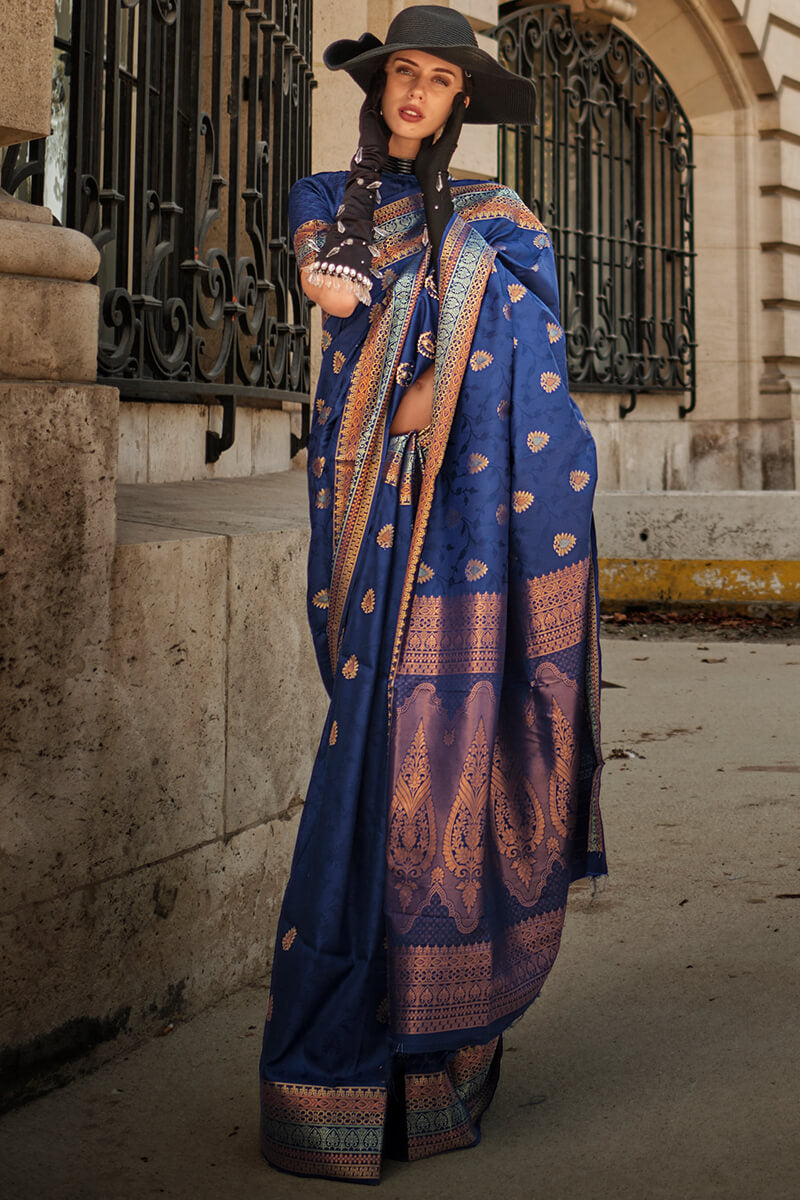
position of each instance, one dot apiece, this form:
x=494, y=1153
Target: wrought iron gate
x=609, y=171
x=180, y=128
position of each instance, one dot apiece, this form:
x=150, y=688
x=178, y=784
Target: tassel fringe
x=337, y=277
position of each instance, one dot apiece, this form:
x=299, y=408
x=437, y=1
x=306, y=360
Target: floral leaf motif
x=430, y=287
x=480, y=360
x=465, y=836
x=507, y=311
x=554, y=332
x=522, y=501
x=541, y=240
x=333, y=734
x=537, y=440
x=550, y=381
x=385, y=537
x=338, y=361
x=323, y=498
x=326, y=340
x=324, y=413
x=288, y=938
x=501, y=514
x=563, y=773
x=318, y=403
x=411, y=835
x=517, y=814
x=318, y=466
x=368, y=601
x=321, y=599
x=578, y=480
x=516, y=291
x=425, y=573
x=350, y=668
x=404, y=374
x=426, y=344
x=563, y=543
x=476, y=463
x=475, y=569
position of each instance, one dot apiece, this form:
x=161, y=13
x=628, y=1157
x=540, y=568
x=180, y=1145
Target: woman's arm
x=339, y=303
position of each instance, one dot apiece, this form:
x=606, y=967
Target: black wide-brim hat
x=499, y=97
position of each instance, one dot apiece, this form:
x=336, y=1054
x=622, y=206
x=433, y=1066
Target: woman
x=453, y=609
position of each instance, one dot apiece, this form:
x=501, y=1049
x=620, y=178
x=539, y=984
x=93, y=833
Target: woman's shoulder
x=488, y=200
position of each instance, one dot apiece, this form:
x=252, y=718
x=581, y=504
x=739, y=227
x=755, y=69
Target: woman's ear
x=466, y=101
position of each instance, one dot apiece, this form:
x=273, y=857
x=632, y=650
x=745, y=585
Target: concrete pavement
x=663, y=1058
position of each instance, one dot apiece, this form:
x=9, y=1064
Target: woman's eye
x=445, y=82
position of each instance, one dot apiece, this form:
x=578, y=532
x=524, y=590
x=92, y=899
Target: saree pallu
x=452, y=601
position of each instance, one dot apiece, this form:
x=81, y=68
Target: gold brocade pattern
x=562, y=776
x=475, y=569
x=443, y=1107
x=331, y=1131
x=465, y=832
x=578, y=480
x=334, y=734
x=517, y=817
x=318, y=466
x=522, y=501
x=368, y=601
x=411, y=835
x=563, y=543
x=287, y=941
x=537, y=440
x=359, y=449
x=350, y=668
x=471, y=988
x=385, y=538
x=458, y=635
x=556, y=609
x=465, y=264
x=477, y=463
x=550, y=381
x=480, y=360
x=338, y=361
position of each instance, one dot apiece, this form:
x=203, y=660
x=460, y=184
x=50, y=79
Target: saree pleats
x=453, y=605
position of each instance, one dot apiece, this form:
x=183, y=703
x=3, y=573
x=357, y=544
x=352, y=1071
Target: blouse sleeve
x=312, y=204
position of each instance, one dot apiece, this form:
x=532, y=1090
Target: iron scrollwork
x=609, y=171
x=189, y=120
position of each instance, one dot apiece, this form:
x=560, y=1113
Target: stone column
x=58, y=452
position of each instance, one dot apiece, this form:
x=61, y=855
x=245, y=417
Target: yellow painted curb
x=697, y=581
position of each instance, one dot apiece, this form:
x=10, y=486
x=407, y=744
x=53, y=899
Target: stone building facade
x=159, y=700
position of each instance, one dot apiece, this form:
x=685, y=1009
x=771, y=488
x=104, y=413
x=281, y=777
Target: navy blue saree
x=452, y=601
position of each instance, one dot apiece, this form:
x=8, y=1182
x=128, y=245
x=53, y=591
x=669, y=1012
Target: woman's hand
x=339, y=303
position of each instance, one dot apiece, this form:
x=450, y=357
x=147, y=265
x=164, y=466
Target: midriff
x=415, y=408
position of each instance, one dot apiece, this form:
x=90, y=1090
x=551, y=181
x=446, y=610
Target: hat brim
x=499, y=97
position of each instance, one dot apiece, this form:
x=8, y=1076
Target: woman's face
x=418, y=97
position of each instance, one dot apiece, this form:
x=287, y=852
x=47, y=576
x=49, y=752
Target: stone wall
x=161, y=710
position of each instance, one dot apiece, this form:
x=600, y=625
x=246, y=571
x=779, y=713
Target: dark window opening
x=609, y=171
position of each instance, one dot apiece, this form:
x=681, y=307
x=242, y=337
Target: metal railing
x=609, y=171
x=179, y=127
